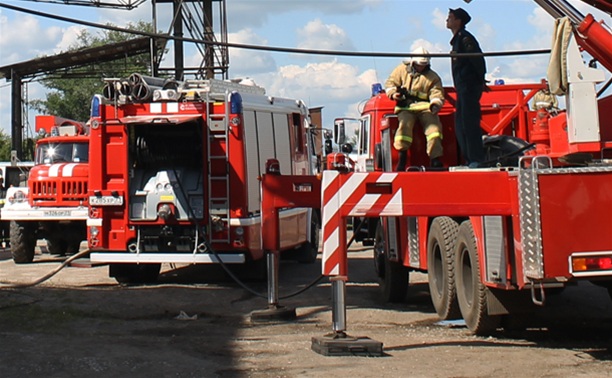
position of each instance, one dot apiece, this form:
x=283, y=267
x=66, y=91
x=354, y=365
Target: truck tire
x=393, y=276
x=57, y=246
x=73, y=247
x=23, y=241
x=135, y=273
x=441, y=267
x=307, y=253
x=471, y=292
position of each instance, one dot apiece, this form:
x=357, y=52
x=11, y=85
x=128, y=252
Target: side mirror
x=339, y=131
x=328, y=146
x=378, y=157
x=23, y=179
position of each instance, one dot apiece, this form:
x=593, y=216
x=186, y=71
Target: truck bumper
x=44, y=214
x=186, y=258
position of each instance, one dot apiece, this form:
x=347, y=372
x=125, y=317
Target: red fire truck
x=175, y=174
x=535, y=218
x=492, y=239
x=54, y=204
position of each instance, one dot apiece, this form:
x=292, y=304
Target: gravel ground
x=196, y=323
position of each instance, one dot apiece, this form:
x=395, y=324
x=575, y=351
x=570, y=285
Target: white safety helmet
x=420, y=60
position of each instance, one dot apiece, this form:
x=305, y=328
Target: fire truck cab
x=53, y=206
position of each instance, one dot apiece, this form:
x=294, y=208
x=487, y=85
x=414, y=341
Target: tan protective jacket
x=544, y=99
x=426, y=86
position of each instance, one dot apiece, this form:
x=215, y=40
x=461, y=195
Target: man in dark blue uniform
x=469, y=78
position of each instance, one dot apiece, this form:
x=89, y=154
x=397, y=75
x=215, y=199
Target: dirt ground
x=196, y=323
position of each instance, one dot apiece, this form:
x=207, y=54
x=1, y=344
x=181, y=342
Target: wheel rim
x=438, y=271
x=379, y=253
x=466, y=275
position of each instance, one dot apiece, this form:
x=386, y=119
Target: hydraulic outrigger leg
x=338, y=343
x=274, y=312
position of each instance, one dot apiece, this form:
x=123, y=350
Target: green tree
x=5, y=146
x=71, y=91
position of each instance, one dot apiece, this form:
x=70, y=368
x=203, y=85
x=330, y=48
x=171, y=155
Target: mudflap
x=504, y=302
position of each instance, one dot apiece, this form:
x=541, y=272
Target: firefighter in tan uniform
x=543, y=99
x=419, y=94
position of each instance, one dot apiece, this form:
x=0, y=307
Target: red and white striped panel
x=346, y=195
x=62, y=170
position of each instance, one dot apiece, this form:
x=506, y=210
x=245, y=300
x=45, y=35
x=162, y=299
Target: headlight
x=18, y=197
x=164, y=211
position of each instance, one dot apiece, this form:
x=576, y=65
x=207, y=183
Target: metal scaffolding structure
x=201, y=20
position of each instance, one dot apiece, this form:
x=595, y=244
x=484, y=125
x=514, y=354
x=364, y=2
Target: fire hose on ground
x=13, y=285
x=68, y=261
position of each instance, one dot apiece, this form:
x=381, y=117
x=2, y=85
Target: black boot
x=401, y=163
x=436, y=163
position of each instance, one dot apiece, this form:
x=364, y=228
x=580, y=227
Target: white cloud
x=121, y=17
x=525, y=68
x=486, y=36
x=17, y=46
x=248, y=13
x=332, y=79
x=24, y=39
x=68, y=38
x=439, y=18
x=319, y=36
x=339, y=87
x=249, y=61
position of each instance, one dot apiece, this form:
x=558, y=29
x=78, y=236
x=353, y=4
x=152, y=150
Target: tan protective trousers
x=433, y=131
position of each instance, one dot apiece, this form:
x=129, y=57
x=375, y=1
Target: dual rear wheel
x=454, y=274
x=393, y=277
x=471, y=292
x=441, y=267
x=455, y=278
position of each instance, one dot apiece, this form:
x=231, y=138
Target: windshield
x=62, y=153
x=352, y=132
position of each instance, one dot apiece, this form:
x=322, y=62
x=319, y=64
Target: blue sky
x=339, y=84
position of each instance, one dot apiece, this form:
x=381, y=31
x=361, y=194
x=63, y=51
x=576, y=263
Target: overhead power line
x=125, y=4
x=266, y=48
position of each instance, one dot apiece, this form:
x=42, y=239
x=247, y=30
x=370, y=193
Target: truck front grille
x=70, y=193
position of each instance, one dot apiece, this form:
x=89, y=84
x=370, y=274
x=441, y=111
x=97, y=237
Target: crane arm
x=591, y=35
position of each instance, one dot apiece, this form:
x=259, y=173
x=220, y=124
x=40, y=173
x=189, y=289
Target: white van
x=14, y=174
x=11, y=175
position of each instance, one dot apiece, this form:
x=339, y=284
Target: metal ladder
x=218, y=165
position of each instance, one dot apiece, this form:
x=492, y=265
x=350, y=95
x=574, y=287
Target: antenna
x=374, y=61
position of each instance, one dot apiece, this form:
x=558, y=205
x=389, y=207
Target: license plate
x=105, y=201
x=56, y=213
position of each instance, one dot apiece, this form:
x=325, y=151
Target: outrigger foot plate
x=340, y=344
